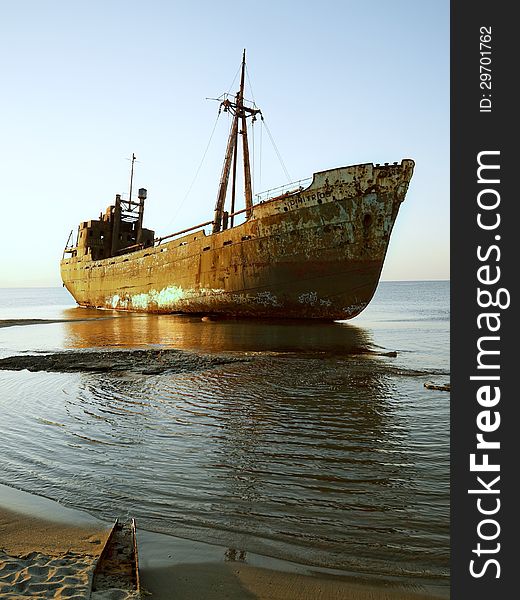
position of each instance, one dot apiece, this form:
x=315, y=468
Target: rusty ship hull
x=312, y=253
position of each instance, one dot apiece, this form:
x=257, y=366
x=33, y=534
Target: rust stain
x=311, y=253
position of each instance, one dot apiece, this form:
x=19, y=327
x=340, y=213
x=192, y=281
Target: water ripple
x=308, y=451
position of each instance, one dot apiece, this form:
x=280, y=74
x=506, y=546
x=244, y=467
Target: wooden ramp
x=116, y=573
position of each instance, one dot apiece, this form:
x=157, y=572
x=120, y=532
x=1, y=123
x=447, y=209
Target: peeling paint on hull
x=316, y=253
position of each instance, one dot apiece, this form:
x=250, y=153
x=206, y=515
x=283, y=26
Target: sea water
x=319, y=448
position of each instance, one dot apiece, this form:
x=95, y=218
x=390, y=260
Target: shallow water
x=309, y=451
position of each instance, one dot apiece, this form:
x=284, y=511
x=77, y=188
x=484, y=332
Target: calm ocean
x=309, y=451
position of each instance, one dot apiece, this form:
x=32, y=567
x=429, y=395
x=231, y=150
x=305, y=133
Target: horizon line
x=48, y=287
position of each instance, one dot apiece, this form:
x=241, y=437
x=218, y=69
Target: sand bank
x=147, y=362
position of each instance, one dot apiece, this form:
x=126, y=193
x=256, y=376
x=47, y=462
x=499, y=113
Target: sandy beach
x=49, y=551
x=46, y=559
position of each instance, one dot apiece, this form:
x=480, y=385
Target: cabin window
x=205, y=249
x=227, y=242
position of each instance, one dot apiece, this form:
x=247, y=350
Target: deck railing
x=294, y=186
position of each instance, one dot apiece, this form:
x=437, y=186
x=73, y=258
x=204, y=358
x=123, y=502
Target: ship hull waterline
x=315, y=254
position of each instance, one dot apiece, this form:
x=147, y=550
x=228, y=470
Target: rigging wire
x=289, y=179
x=260, y=165
x=253, y=165
x=250, y=86
x=234, y=78
x=277, y=152
x=197, y=172
x=270, y=136
x=253, y=144
x=252, y=124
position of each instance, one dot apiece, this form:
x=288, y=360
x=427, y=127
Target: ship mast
x=240, y=113
x=131, y=176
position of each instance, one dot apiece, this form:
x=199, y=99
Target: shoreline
x=33, y=526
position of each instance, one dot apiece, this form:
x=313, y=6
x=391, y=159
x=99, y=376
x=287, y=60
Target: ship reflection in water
x=310, y=449
x=193, y=333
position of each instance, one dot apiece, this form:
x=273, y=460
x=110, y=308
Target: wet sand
x=49, y=551
x=213, y=581
x=187, y=570
x=146, y=362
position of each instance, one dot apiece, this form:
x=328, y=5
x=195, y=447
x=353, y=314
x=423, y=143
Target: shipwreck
x=313, y=250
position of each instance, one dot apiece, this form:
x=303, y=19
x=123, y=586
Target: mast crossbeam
x=240, y=114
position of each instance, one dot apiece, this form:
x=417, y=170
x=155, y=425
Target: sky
x=86, y=84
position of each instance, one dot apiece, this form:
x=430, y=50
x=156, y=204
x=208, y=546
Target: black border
x=473, y=131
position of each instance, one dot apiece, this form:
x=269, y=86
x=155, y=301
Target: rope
x=197, y=172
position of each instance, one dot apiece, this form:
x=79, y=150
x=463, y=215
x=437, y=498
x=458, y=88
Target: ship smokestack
x=141, y=194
